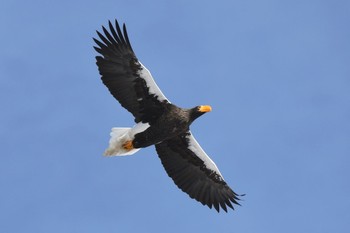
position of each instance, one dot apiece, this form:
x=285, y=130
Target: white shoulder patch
x=197, y=149
x=153, y=88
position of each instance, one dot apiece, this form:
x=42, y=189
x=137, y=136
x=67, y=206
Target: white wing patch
x=197, y=149
x=151, y=84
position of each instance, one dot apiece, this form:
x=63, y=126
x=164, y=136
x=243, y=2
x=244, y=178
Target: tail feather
x=118, y=137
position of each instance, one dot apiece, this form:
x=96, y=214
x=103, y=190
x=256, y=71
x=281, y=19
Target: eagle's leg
x=128, y=145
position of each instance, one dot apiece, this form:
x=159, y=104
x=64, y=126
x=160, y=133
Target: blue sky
x=276, y=73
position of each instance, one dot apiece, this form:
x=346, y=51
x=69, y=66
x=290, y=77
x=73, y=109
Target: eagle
x=158, y=122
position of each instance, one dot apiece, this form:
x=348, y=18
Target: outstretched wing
x=126, y=78
x=194, y=172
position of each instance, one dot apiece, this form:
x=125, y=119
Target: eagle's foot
x=128, y=145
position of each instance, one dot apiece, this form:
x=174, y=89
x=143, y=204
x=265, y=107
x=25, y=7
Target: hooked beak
x=204, y=108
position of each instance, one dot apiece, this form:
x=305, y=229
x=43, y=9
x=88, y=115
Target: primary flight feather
x=158, y=122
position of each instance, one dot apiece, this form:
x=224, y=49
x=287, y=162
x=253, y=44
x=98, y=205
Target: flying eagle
x=158, y=122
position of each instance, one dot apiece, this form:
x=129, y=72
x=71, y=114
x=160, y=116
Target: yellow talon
x=128, y=145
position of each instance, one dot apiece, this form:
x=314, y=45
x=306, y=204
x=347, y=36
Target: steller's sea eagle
x=158, y=122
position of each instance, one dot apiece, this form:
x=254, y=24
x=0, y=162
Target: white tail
x=121, y=135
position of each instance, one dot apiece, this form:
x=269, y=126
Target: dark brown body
x=173, y=122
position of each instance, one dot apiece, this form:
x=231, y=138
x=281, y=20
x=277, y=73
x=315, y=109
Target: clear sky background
x=277, y=74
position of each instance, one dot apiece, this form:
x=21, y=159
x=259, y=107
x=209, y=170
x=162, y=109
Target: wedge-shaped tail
x=119, y=136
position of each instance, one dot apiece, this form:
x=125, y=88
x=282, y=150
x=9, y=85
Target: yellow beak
x=205, y=108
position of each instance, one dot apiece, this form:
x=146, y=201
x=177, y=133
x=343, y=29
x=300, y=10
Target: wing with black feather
x=194, y=172
x=126, y=78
